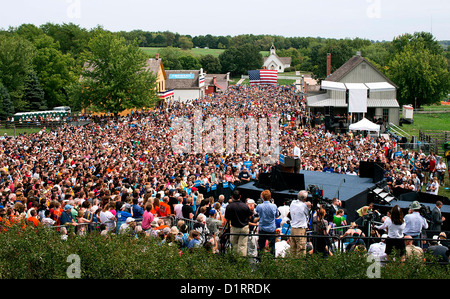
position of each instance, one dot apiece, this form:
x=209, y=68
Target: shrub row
x=41, y=254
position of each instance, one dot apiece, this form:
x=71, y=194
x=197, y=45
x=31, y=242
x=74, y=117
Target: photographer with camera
x=298, y=215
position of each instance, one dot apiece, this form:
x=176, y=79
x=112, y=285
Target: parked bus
x=24, y=116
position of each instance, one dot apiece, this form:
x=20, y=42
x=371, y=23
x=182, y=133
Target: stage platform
x=351, y=190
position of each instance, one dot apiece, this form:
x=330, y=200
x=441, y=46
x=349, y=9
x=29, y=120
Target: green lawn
x=428, y=122
x=10, y=132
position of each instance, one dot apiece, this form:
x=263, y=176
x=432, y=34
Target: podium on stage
x=287, y=163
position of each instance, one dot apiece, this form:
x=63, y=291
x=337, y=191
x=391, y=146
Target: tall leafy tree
x=240, y=59
x=210, y=64
x=34, y=94
x=16, y=56
x=6, y=104
x=56, y=71
x=115, y=78
x=420, y=73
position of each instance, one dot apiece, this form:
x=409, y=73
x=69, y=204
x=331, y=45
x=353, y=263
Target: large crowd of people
x=120, y=170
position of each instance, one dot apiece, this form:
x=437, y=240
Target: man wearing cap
x=238, y=214
x=414, y=222
x=66, y=216
x=299, y=214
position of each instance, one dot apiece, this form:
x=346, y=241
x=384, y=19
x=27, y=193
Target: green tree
x=296, y=57
x=7, y=107
x=34, y=94
x=210, y=64
x=189, y=62
x=340, y=53
x=170, y=56
x=185, y=43
x=55, y=70
x=16, y=56
x=420, y=72
x=240, y=59
x=114, y=78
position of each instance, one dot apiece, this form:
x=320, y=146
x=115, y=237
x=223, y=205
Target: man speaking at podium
x=296, y=154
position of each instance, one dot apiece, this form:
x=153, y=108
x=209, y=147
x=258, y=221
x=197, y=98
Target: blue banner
x=181, y=76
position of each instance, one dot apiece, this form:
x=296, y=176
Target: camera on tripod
x=317, y=197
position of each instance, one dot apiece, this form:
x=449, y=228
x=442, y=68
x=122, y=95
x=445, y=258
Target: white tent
x=365, y=125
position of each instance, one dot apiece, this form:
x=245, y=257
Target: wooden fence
x=437, y=138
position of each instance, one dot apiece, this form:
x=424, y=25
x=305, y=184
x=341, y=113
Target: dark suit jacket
x=436, y=219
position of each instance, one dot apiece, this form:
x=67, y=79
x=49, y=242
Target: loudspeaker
x=264, y=180
x=373, y=170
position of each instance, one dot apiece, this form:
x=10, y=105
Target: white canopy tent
x=365, y=125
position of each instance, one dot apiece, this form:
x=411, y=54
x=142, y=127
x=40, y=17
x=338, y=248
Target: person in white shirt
x=440, y=170
x=377, y=250
x=108, y=218
x=414, y=222
x=299, y=216
x=177, y=208
x=395, y=225
x=282, y=246
x=296, y=153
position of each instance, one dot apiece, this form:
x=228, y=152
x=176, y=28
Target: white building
x=274, y=62
x=360, y=90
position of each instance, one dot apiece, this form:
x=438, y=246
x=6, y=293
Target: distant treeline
x=40, y=66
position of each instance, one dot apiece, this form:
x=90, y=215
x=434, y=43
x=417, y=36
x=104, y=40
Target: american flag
x=166, y=94
x=262, y=77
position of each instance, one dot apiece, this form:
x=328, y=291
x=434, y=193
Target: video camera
x=318, y=199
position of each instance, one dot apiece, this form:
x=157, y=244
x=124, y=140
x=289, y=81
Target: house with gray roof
x=187, y=85
x=357, y=89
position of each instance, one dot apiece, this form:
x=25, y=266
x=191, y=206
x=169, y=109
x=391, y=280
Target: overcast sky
x=371, y=19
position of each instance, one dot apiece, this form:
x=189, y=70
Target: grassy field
x=194, y=51
x=428, y=122
x=10, y=132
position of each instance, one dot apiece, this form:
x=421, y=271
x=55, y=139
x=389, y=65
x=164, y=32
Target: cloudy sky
x=371, y=19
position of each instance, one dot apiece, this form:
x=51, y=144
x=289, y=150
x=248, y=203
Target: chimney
x=328, y=64
x=157, y=56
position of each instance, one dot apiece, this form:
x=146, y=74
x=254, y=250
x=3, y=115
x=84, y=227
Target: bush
x=41, y=254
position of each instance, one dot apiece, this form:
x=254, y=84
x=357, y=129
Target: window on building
x=385, y=115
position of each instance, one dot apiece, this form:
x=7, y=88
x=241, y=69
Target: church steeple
x=272, y=50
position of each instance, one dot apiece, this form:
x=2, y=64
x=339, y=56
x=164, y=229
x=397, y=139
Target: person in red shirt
x=33, y=220
x=164, y=208
x=432, y=166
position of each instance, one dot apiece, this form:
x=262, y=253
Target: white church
x=274, y=62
